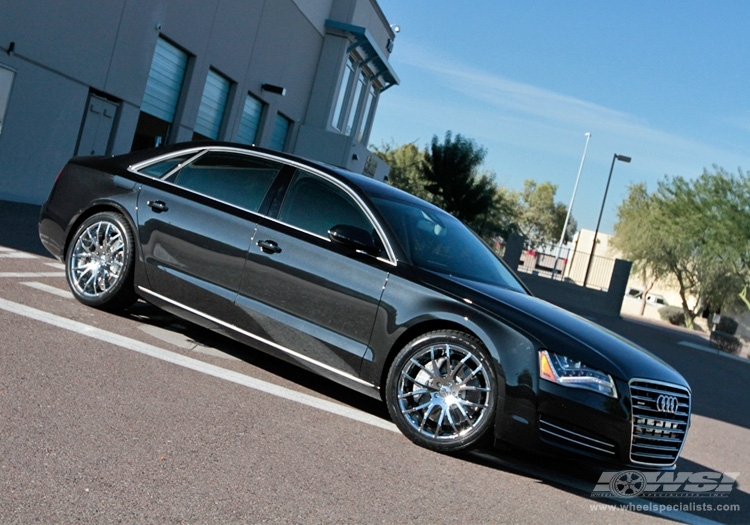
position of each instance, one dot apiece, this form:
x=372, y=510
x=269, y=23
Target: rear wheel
x=99, y=262
x=441, y=391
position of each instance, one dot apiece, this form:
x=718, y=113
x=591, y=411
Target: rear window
x=238, y=179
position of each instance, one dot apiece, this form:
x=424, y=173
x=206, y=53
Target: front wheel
x=99, y=262
x=441, y=391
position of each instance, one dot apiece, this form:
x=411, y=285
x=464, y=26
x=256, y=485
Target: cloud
x=539, y=118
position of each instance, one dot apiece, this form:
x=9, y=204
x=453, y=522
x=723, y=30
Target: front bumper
x=644, y=427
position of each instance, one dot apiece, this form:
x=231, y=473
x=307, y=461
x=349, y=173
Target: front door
x=310, y=298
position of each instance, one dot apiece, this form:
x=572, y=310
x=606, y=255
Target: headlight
x=569, y=372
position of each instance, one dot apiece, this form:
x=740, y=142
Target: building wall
x=63, y=51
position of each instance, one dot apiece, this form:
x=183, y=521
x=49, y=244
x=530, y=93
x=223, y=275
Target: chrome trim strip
x=201, y=150
x=258, y=338
x=196, y=152
x=576, y=433
x=611, y=452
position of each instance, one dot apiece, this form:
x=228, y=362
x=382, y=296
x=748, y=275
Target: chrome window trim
x=202, y=150
x=239, y=330
x=135, y=168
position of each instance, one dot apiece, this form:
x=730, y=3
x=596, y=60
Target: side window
x=316, y=205
x=241, y=180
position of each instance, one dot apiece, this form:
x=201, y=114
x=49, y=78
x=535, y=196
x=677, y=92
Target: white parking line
x=715, y=351
x=49, y=289
x=193, y=364
x=16, y=255
x=31, y=275
x=58, y=265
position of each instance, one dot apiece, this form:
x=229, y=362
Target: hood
x=561, y=331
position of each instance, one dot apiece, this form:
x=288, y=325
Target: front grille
x=661, y=417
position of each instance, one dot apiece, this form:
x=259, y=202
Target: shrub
x=726, y=342
x=726, y=325
x=673, y=314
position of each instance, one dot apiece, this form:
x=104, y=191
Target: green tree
x=450, y=175
x=692, y=232
x=406, y=172
x=452, y=171
x=541, y=218
x=501, y=218
x=636, y=239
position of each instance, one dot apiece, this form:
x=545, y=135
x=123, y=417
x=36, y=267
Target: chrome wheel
x=99, y=262
x=443, y=392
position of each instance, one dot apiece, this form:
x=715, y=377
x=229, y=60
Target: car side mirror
x=354, y=238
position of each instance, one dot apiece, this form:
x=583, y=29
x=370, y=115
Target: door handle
x=269, y=246
x=157, y=206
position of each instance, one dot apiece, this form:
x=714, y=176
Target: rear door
x=311, y=298
x=196, y=227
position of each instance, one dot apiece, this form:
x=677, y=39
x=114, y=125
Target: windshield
x=437, y=241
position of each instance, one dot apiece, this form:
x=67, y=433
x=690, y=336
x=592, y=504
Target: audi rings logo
x=665, y=403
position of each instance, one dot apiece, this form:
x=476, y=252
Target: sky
x=666, y=83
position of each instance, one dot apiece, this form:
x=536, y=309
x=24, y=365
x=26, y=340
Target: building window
x=365, y=123
x=250, y=120
x=355, y=103
x=359, y=87
x=343, y=101
x=280, y=132
x=212, y=108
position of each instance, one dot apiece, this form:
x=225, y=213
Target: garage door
x=164, y=81
x=213, y=105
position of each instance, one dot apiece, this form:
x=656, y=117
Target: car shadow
x=208, y=339
x=580, y=478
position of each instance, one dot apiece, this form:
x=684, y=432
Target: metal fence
x=567, y=265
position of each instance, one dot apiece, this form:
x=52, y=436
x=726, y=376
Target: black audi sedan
x=367, y=286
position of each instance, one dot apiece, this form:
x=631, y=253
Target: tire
x=441, y=391
x=99, y=262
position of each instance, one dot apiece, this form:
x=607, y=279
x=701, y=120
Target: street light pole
x=621, y=158
x=570, y=208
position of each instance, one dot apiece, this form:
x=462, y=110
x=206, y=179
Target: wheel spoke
x=414, y=393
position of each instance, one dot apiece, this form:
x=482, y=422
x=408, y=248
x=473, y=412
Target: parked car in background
x=367, y=286
x=651, y=298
